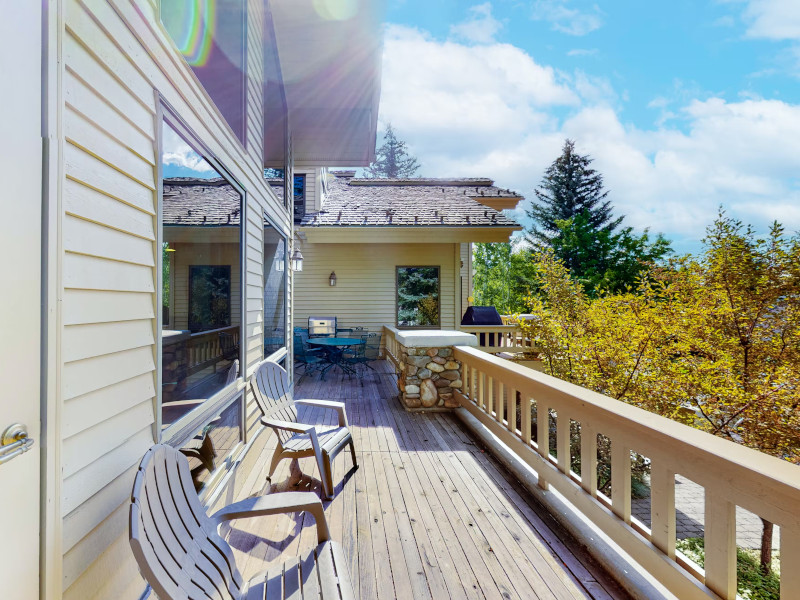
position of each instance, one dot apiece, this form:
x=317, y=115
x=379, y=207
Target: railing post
x=621, y=479
x=543, y=435
x=720, y=545
x=662, y=508
x=589, y=459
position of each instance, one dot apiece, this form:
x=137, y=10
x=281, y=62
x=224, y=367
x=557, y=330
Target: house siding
x=365, y=291
x=114, y=56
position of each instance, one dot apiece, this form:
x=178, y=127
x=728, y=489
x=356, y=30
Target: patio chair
x=304, y=356
x=270, y=385
x=369, y=350
x=182, y=556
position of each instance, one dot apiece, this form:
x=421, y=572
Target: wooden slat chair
x=182, y=556
x=270, y=385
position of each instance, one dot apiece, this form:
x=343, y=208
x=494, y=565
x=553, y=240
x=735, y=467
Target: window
x=201, y=216
x=418, y=297
x=212, y=38
x=275, y=274
x=299, y=197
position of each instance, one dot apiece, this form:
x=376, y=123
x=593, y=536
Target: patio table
x=336, y=358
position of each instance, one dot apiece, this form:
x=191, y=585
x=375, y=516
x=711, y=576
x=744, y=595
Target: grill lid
x=481, y=315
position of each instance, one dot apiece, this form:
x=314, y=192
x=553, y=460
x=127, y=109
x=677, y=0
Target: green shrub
x=751, y=583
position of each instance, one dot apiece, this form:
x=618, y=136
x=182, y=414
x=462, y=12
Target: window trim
x=284, y=350
x=185, y=428
x=397, y=296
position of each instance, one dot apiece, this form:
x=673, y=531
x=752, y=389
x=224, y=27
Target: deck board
x=428, y=513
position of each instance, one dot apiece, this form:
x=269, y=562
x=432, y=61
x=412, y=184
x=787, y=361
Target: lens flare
x=197, y=25
x=336, y=10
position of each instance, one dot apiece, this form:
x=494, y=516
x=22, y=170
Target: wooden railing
x=499, y=338
x=505, y=397
x=207, y=348
x=391, y=345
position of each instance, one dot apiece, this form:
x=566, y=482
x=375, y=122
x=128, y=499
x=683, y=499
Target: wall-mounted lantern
x=333, y=279
x=297, y=260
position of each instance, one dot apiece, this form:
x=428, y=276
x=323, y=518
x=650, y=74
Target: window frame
x=397, y=296
x=189, y=425
x=281, y=353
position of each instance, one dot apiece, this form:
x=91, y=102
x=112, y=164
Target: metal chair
x=270, y=385
x=305, y=357
x=370, y=350
x=182, y=556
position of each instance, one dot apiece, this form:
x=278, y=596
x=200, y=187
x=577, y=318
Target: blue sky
x=685, y=105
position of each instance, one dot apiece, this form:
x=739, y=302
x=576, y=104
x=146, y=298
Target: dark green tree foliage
x=392, y=160
x=503, y=277
x=570, y=188
x=418, y=296
x=603, y=259
x=572, y=216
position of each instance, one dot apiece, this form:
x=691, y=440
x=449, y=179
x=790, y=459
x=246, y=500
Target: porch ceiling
x=326, y=84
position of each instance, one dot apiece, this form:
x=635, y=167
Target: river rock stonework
x=428, y=378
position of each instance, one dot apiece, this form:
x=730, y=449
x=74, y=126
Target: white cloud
x=481, y=27
x=566, y=19
x=773, y=19
x=582, y=52
x=179, y=153
x=493, y=111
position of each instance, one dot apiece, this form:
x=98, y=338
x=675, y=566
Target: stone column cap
x=434, y=338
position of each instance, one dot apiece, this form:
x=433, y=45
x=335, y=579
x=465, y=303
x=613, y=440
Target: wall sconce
x=333, y=279
x=297, y=260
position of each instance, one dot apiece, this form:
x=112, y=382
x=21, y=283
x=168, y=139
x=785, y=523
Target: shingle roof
x=201, y=202
x=424, y=202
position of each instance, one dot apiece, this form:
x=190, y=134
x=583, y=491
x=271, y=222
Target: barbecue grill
x=321, y=327
x=483, y=315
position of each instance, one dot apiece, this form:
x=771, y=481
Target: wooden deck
x=428, y=514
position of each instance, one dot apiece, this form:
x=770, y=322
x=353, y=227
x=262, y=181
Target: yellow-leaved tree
x=712, y=341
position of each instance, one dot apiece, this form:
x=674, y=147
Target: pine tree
x=570, y=188
x=392, y=160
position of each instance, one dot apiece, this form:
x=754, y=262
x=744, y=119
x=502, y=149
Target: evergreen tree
x=392, y=160
x=570, y=187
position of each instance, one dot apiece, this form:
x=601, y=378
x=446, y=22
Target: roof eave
x=442, y=234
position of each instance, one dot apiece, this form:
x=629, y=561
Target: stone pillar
x=427, y=372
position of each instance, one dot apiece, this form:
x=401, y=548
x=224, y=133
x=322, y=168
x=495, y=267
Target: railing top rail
x=212, y=331
x=756, y=481
x=480, y=328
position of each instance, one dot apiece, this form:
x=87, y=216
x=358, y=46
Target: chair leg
x=276, y=458
x=328, y=476
x=353, y=454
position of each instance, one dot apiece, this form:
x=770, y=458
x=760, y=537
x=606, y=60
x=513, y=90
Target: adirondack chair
x=182, y=556
x=270, y=385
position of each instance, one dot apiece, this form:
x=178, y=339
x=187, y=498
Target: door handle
x=14, y=441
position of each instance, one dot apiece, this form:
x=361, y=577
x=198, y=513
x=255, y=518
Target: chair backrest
x=322, y=326
x=176, y=545
x=273, y=394
x=372, y=347
x=233, y=373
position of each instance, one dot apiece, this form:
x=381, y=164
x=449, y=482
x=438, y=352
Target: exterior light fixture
x=297, y=260
x=280, y=265
x=333, y=279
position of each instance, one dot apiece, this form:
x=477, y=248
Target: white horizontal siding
x=115, y=56
x=365, y=291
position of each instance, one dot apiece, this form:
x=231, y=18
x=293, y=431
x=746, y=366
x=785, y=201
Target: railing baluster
x=499, y=401
x=511, y=413
x=662, y=508
x=621, y=479
x=525, y=418
x=489, y=394
x=465, y=380
x=790, y=562
x=481, y=398
x=720, y=545
x=562, y=440
x=589, y=459
x=543, y=435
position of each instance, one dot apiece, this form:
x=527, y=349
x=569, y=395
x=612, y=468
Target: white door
x=20, y=294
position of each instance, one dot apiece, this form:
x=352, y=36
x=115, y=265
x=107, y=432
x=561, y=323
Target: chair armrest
x=277, y=504
x=287, y=425
x=329, y=404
